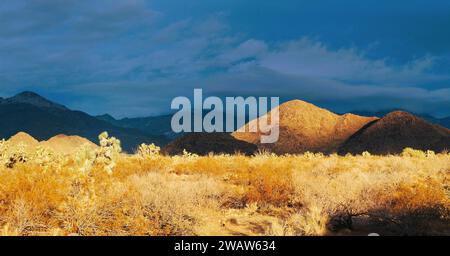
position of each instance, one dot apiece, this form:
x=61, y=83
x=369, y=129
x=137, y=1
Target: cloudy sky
x=131, y=57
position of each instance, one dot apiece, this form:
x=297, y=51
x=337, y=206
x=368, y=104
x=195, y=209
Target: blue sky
x=130, y=58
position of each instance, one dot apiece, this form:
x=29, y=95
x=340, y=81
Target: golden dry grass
x=108, y=193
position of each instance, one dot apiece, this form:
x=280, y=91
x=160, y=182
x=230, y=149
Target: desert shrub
x=409, y=152
x=44, y=157
x=10, y=156
x=175, y=204
x=366, y=154
x=413, y=207
x=268, y=185
x=187, y=154
x=84, y=159
x=108, y=152
x=310, y=222
x=430, y=153
x=148, y=151
x=311, y=155
x=30, y=196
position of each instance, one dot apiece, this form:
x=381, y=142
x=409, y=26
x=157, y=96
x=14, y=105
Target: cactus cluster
x=108, y=152
x=10, y=156
x=148, y=151
x=410, y=152
x=84, y=159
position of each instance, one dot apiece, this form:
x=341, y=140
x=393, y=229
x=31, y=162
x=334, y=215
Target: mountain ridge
x=43, y=119
x=443, y=121
x=303, y=127
x=306, y=127
x=160, y=124
x=396, y=131
x=32, y=98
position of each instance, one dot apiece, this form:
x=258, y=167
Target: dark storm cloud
x=130, y=58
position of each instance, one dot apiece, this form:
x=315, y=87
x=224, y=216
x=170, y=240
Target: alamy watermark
x=190, y=116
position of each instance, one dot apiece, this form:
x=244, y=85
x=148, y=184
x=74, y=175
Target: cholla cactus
x=187, y=154
x=410, y=152
x=308, y=155
x=366, y=154
x=148, y=151
x=43, y=156
x=110, y=143
x=85, y=158
x=108, y=152
x=15, y=155
x=430, y=153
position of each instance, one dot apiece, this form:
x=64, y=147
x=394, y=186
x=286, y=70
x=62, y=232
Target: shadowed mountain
x=445, y=122
x=30, y=113
x=205, y=143
x=396, y=131
x=305, y=127
x=32, y=99
x=159, y=125
x=440, y=121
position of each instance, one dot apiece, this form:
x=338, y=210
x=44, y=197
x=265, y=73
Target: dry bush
x=310, y=222
x=269, y=182
x=174, y=202
x=382, y=187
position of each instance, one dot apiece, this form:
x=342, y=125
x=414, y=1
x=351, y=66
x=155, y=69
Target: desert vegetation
x=102, y=191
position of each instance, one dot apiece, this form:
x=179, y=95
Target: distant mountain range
x=29, y=112
x=158, y=125
x=303, y=127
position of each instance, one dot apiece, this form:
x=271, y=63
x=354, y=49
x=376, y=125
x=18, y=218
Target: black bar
x=282, y=245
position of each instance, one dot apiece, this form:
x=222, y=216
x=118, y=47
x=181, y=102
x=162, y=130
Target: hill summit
x=34, y=99
x=396, y=131
x=23, y=138
x=306, y=127
x=67, y=144
x=60, y=143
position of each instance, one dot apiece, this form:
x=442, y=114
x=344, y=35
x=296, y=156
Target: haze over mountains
x=303, y=127
x=159, y=125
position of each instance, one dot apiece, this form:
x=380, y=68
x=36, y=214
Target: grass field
x=105, y=192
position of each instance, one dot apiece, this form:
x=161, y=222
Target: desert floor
x=104, y=192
